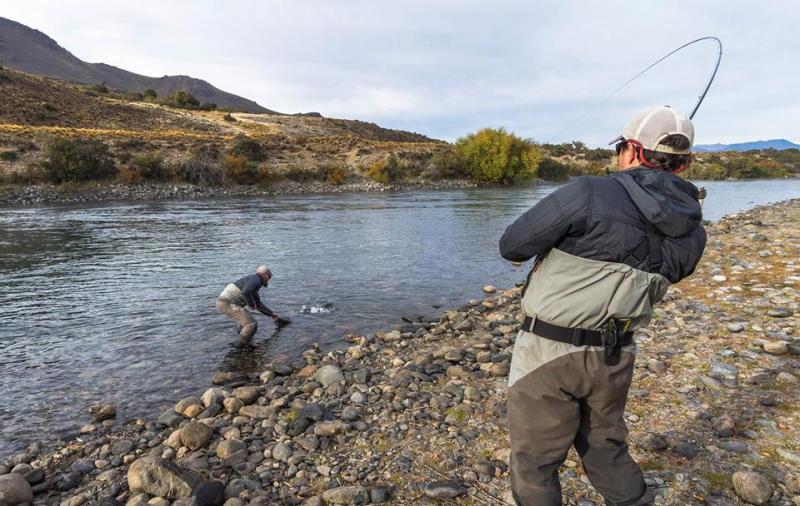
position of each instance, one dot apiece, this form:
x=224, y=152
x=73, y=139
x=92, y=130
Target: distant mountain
x=778, y=144
x=32, y=51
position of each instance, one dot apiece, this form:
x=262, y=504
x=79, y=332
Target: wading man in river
x=607, y=249
x=238, y=296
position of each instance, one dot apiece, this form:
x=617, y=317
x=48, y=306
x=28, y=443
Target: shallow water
x=115, y=302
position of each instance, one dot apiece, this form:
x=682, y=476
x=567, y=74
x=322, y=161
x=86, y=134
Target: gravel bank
x=416, y=415
x=20, y=195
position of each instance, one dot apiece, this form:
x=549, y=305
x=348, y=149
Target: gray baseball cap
x=653, y=125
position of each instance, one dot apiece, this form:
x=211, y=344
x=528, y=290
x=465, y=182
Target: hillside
x=32, y=51
x=192, y=146
x=777, y=144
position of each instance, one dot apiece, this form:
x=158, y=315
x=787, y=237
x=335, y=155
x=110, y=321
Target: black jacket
x=250, y=285
x=646, y=218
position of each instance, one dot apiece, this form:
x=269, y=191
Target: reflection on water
x=115, y=302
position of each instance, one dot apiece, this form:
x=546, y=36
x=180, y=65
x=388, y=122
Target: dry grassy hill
x=35, y=109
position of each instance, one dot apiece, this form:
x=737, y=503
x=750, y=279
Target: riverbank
x=417, y=414
x=30, y=195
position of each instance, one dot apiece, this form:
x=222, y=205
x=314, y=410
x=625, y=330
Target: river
x=115, y=302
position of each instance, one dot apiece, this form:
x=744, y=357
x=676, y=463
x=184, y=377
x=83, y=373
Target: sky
x=542, y=69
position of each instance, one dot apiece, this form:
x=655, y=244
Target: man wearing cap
x=238, y=296
x=606, y=249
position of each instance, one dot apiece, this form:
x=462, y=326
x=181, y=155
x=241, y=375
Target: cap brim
x=618, y=139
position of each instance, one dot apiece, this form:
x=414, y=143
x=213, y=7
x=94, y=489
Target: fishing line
x=645, y=70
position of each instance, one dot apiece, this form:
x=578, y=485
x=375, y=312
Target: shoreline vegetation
x=62, y=141
x=416, y=414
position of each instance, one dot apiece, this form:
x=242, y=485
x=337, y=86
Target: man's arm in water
x=262, y=308
x=544, y=225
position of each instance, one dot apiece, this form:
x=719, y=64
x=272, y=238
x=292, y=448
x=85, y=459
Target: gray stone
x=226, y=449
x=687, y=450
x=735, y=446
x=170, y=418
x=735, y=327
x=82, y=466
x=211, y=493
x=752, y=487
x=195, y=435
x=122, y=447
x=346, y=495
x=14, y=489
x=350, y=414
x=780, y=312
x=328, y=375
x=721, y=370
x=257, y=412
x=378, y=495
x=331, y=428
x=34, y=476
x=282, y=369
x=443, y=489
x=183, y=405
x=655, y=442
x=162, y=478
x=247, y=395
x=281, y=452
x=656, y=366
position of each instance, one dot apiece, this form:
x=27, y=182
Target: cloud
x=447, y=67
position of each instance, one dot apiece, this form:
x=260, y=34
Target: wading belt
x=609, y=337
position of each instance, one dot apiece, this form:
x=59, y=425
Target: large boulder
x=14, y=489
x=162, y=478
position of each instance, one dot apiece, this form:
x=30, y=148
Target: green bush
x=446, y=164
x=150, y=94
x=240, y=170
x=494, y=155
x=185, y=99
x=207, y=106
x=553, y=170
x=68, y=160
x=151, y=166
x=247, y=148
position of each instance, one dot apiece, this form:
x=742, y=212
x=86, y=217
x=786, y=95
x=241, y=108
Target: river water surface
x=115, y=302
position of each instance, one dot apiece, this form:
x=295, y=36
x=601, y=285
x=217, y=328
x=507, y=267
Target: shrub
x=150, y=94
x=185, y=99
x=150, y=166
x=497, y=156
x=201, y=169
x=553, y=170
x=67, y=160
x=8, y=156
x=239, y=170
x=228, y=117
x=446, y=164
x=247, y=148
x=332, y=173
x=386, y=171
x=208, y=106
x=130, y=175
x=99, y=88
x=300, y=174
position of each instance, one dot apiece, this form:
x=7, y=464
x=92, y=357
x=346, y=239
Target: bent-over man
x=241, y=294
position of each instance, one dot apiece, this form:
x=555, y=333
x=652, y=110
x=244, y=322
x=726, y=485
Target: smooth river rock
x=346, y=495
x=162, y=478
x=328, y=375
x=752, y=487
x=14, y=489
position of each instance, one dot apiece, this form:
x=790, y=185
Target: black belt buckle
x=612, y=342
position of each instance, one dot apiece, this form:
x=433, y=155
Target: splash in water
x=317, y=308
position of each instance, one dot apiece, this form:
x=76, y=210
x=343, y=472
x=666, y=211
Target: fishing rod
x=646, y=69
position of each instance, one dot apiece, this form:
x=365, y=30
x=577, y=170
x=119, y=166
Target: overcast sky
x=445, y=68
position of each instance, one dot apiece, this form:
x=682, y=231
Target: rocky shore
x=27, y=195
x=416, y=415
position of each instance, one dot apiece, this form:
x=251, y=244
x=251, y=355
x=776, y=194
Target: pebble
x=328, y=375
x=776, y=347
x=195, y=435
x=346, y=495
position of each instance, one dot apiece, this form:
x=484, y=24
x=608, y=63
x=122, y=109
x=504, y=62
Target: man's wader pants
x=560, y=396
x=244, y=320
